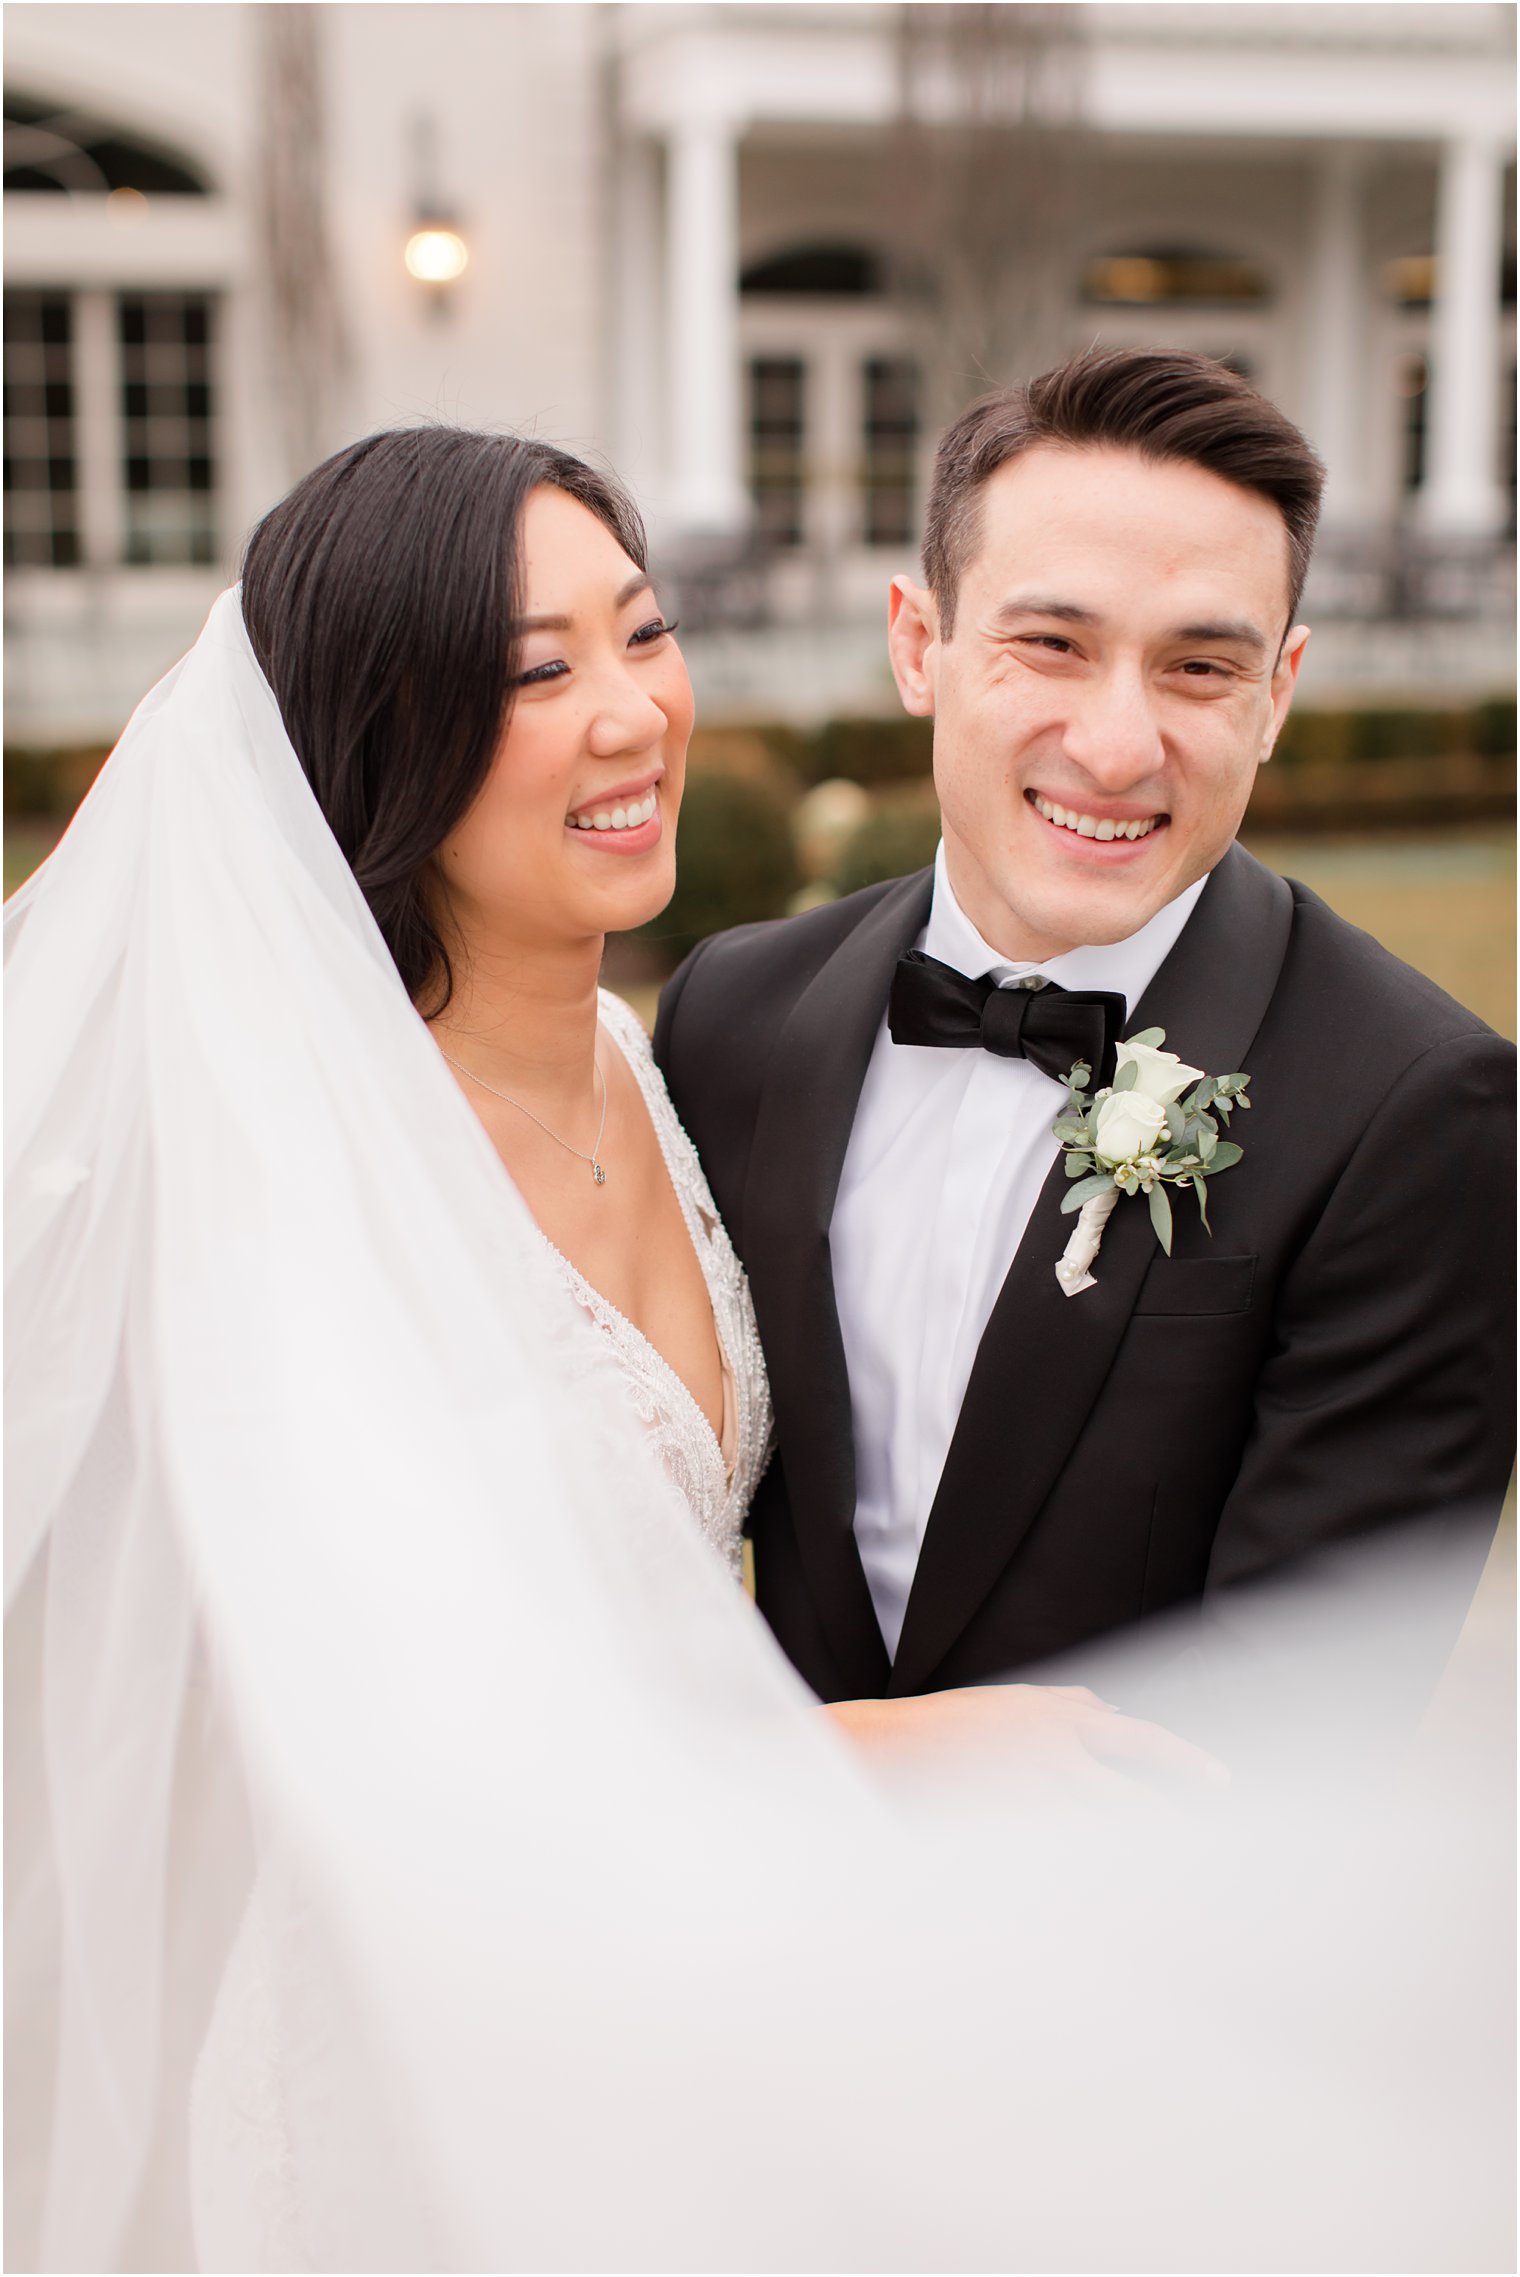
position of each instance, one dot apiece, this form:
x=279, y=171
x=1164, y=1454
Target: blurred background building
x=753, y=255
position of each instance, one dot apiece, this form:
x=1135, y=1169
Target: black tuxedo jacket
x=1337, y=1357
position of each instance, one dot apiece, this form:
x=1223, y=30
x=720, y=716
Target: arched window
x=1175, y=276
x=71, y=152
x=834, y=272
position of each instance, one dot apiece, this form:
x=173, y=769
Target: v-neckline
x=593, y=1298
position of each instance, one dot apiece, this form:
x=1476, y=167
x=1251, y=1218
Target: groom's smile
x=1117, y=667
x=1117, y=827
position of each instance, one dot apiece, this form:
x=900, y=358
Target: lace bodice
x=718, y=1484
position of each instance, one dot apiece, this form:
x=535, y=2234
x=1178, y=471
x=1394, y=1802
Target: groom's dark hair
x=1162, y=404
x=381, y=598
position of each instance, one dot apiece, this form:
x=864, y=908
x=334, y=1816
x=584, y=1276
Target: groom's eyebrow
x=1043, y=605
x=620, y=600
x=1235, y=629
x=1229, y=628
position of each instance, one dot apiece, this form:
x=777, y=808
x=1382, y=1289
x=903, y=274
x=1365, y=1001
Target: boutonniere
x=1140, y=1136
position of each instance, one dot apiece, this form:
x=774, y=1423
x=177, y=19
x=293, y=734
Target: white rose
x=1159, y=1075
x=1128, y=1124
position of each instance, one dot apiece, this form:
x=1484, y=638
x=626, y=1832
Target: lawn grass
x=1445, y=905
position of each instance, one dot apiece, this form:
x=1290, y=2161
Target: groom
x=976, y=1470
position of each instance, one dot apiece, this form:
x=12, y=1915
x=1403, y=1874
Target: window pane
x=168, y=413
x=41, y=473
x=1410, y=377
x=1173, y=275
x=890, y=435
x=776, y=434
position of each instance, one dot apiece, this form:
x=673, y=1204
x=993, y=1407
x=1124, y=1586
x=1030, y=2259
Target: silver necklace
x=598, y=1174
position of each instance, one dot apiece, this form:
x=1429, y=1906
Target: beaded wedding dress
x=418, y=1854
x=716, y=1476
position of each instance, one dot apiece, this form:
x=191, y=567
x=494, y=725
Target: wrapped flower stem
x=1074, y=1270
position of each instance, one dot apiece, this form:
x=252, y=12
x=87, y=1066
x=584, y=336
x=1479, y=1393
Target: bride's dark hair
x=382, y=598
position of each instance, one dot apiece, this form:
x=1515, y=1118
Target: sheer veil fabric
x=375, y=1709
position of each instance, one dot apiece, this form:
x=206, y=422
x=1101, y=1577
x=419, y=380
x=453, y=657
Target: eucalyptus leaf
x=1203, y=1207
x=1127, y=1077
x=1088, y=1191
x=1176, y=1122
x=1148, y=1036
x=1208, y=1142
x=1078, y=1165
x=1130, y=1183
x=1206, y=1093
x=1161, y=1217
x=1071, y=1130
x=1080, y=1076
x=1225, y=1155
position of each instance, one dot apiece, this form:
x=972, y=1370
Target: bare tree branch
x=307, y=344
x=985, y=147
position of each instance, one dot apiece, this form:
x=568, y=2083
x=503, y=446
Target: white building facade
x=685, y=228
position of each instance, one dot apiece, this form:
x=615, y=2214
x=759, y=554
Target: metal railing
x=1396, y=576
x=1403, y=576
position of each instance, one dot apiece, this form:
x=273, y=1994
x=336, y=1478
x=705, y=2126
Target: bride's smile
x=592, y=758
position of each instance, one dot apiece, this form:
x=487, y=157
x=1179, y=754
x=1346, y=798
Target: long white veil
x=382, y=1736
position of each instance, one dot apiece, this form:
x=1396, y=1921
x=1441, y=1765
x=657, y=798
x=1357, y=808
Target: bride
x=418, y=1856
x=409, y=597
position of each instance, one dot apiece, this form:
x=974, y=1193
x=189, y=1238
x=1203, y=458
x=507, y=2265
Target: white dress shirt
x=948, y=1153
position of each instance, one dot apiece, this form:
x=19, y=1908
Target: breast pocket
x=1197, y=1285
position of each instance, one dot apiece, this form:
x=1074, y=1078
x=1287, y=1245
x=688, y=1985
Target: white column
x=706, y=491
x=98, y=431
x=1461, y=494
x=1336, y=378
x=635, y=383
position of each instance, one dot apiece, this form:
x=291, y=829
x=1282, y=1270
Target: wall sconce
x=436, y=253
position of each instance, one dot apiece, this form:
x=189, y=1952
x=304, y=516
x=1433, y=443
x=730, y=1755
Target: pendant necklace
x=598, y=1174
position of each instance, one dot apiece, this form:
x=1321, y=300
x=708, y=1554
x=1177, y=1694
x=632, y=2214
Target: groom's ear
x=912, y=636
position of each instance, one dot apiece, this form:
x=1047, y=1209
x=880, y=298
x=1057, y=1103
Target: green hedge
x=888, y=845
x=736, y=862
x=882, y=752
x=899, y=750
x=1371, y=733
x=28, y=783
x=869, y=751
x=1494, y=727
x=49, y=784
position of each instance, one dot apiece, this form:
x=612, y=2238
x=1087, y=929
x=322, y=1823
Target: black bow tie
x=1052, y=1027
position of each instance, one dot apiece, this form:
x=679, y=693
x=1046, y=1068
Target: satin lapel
x=802, y=1130
x=1044, y=1356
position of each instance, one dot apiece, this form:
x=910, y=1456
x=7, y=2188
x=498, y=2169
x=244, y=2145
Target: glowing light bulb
x=436, y=255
